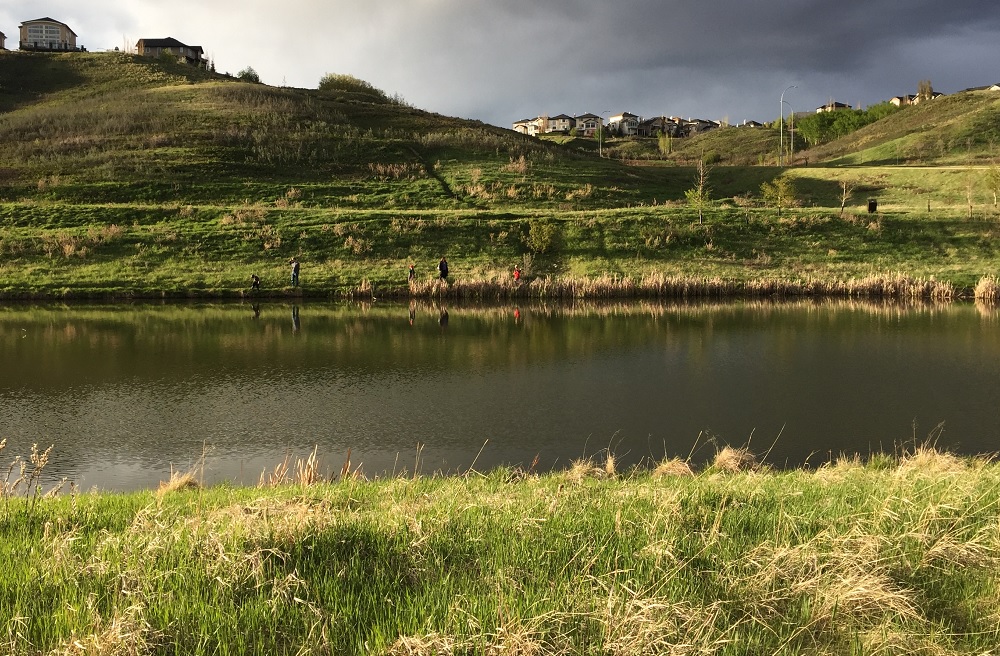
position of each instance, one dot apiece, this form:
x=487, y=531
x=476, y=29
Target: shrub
x=541, y=235
x=249, y=75
x=332, y=82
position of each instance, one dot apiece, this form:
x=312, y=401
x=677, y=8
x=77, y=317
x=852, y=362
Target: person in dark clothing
x=443, y=269
x=254, y=281
x=413, y=274
x=295, y=272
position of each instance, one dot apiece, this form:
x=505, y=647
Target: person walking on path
x=254, y=281
x=443, y=269
x=413, y=275
x=295, y=272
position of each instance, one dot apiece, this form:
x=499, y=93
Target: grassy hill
x=958, y=130
x=124, y=176
x=111, y=127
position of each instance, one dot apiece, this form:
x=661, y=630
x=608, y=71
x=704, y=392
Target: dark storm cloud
x=503, y=60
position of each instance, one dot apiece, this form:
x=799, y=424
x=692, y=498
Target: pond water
x=126, y=393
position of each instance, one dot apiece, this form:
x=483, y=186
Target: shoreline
x=497, y=288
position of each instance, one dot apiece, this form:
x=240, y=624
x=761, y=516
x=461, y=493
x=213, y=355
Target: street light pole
x=600, y=133
x=781, y=122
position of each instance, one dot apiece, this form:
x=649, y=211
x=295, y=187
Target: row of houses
x=624, y=124
x=49, y=35
x=627, y=124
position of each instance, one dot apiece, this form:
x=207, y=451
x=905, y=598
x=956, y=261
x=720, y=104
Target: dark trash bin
x=872, y=206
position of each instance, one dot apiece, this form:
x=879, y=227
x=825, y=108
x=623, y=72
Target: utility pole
x=781, y=123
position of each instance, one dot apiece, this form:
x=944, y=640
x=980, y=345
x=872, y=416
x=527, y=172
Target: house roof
x=560, y=117
x=169, y=42
x=49, y=20
x=588, y=116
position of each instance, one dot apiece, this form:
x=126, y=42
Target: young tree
x=664, y=142
x=846, y=189
x=698, y=196
x=779, y=193
x=924, y=90
x=993, y=182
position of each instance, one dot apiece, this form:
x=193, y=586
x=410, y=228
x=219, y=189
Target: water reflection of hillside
x=59, y=345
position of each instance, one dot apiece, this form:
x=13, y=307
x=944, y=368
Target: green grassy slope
x=125, y=176
x=957, y=130
x=110, y=127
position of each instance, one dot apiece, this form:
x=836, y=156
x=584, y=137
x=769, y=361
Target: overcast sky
x=504, y=60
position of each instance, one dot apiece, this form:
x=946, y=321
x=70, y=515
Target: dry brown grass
x=672, y=467
x=582, y=469
x=732, y=460
x=304, y=472
x=127, y=633
x=178, y=482
x=987, y=289
x=499, y=285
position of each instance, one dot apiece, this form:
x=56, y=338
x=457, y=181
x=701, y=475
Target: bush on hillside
x=334, y=82
x=249, y=75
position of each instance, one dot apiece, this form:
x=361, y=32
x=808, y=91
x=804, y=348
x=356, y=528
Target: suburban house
x=529, y=126
x=697, y=126
x=545, y=124
x=988, y=87
x=902, y=101
x=751, y=124
x=832, y=107
x=561, y=123
x=588, y=124
x=193, y=55
x=624, y=124
x=653, y=127
x=47, y=34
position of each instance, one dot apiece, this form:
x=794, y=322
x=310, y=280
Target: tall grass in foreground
x=896, y=555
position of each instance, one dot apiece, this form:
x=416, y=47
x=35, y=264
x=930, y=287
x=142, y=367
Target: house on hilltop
x=193, y=55
x=903, y=101
x=653, y=127
x=545, y=124
x=832, y=107
x=624, y=124
x=561, y=123
x=3, y=38
x=47, y=34
x=588, y=124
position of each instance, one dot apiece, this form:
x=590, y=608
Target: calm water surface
x=127, y=392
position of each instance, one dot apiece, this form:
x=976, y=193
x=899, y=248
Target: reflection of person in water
x=256, y=310
x=413, y=311
x=295, y=318
x=443, y=319
x=517, y=315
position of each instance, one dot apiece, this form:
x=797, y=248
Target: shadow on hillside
x=26, y=78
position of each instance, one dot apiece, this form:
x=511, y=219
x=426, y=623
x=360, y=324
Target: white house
x=625, y=124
